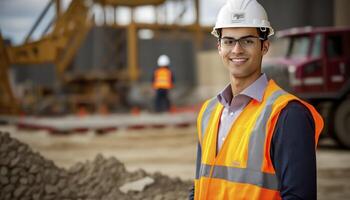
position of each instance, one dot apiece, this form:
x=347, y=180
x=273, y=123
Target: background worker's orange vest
x=243, y=168
x=162, y=78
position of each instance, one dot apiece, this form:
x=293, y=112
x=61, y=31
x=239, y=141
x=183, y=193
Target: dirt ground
x=170, y=151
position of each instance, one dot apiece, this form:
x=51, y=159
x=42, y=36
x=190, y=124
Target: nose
x=237, y=48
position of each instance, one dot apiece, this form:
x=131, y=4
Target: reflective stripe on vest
x=207, y=114
x=239, y=175
x=252, y=174
x=162, y=79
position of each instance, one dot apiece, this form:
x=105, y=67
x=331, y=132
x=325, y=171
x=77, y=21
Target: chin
x=237, y=74
x=240, y=72
x=237, y=71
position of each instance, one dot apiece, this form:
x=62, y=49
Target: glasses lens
x=248, y=42
x=227, y=42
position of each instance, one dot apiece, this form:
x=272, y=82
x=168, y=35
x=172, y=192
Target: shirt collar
x=225, y=96
x=257, y=88
x=255, y=91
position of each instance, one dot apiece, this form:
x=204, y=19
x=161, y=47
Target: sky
x=18, y=16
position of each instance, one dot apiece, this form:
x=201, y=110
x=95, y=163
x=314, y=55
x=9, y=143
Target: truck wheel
x=342, y=124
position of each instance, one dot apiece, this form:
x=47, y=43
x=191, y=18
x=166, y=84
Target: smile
x=238, y=60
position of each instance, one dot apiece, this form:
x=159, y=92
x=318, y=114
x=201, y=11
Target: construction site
x=78, y=118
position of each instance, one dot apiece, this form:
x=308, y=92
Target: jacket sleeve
x=198, y=165
x=293, y=153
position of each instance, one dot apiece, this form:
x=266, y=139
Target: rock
x=4, y=171
x=8, y=197
x=15, y=171
x=25, y=174
x=31, y=179
x=15, y=161
x=38, y=178
x=11, y=154
x=49, y=197
x=34, y=169
x=3, y=147
x=4, y=161
x=137, y=186
x=158, y=197
x=50, y=189
x=65, y=192
x=23, y=181
x=62, y=184
x=53, y=178
x=8, y=189
x=19, y=191
x=76, y=168
x=14, y=179
x=13, y=143
x=4, y=180
x=22, y=149
x=36, y=196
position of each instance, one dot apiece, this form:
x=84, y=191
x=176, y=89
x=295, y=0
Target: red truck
x=315, y=66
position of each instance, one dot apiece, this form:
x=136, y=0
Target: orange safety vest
x=243, y=168
x=162, y=78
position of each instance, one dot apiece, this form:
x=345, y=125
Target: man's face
x=243, y=59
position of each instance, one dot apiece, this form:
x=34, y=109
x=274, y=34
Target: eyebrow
x=246, y=36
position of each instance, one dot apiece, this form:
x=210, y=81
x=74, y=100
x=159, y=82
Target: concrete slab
x=98, y=122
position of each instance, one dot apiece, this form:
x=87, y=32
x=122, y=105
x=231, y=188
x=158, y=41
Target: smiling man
x=255, y=141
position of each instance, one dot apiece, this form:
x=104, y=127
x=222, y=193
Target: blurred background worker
x=163, y=80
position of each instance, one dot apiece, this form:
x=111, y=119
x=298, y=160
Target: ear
x=265, y=47
x=218, y=46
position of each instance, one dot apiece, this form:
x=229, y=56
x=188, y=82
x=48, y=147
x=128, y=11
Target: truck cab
x=315, y=66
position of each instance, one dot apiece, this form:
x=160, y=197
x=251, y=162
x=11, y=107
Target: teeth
x=238, y=59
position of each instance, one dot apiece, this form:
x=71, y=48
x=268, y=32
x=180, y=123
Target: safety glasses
x=246, y=42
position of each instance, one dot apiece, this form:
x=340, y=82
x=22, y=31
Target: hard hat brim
x=215, y=29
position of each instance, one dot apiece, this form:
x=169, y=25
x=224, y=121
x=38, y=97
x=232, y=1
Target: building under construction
x=77, y=63
x=94, y=60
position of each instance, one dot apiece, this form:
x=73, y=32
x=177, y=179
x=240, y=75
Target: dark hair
x=263, y=34
x=219, y=31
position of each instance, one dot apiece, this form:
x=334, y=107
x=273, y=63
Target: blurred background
x=86, y=66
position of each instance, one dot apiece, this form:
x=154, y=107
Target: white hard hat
x=242, y=13
x=163, y=60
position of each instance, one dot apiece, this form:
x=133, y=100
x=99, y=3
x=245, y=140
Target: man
x=163, y=81
x=256, y=141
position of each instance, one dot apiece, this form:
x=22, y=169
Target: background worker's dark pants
x=162, y=102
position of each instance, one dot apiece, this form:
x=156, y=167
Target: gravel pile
x=26, y=175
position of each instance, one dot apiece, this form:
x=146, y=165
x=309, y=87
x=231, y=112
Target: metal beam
x=8, y=103
x=58, y=8
x=37, y=22
x=132, y=52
